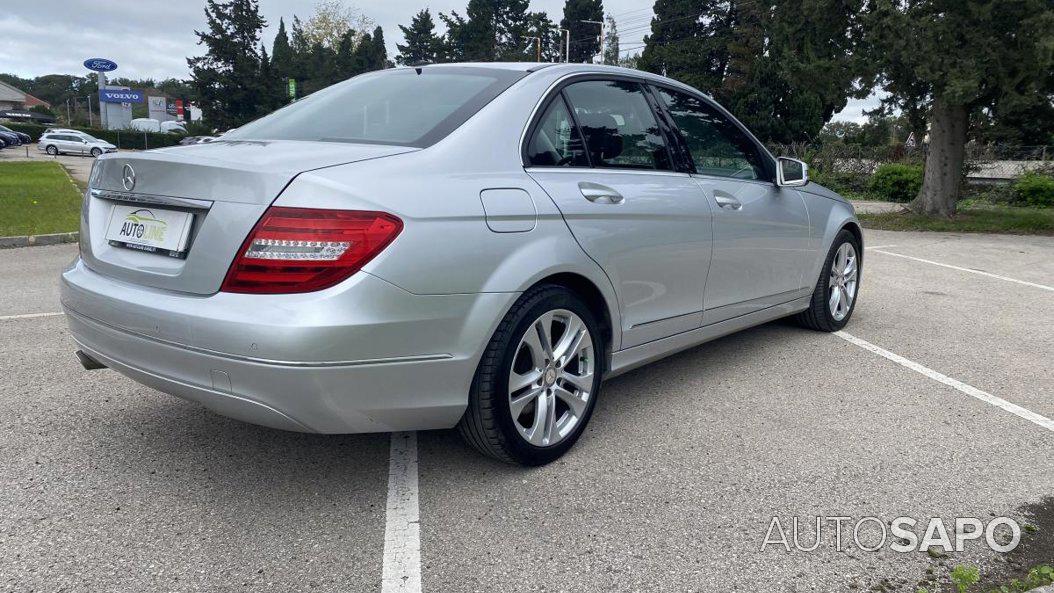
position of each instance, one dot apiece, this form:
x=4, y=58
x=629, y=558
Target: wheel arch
x=854, y=227
x=593, y=298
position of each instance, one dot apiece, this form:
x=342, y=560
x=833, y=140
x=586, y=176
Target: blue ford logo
x=100, y=64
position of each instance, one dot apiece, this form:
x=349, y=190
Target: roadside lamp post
x=567, y=44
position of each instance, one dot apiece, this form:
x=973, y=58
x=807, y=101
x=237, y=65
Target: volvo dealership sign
x=100, y=65
x=120, y=96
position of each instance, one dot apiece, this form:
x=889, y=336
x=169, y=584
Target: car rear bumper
x=364, y=356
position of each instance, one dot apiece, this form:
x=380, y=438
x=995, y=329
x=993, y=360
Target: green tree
x=957, y=58
x=784, y=67
x=611, y=49
x=422, y=43
x=321, y=68
x=282, y=53
x=273, y=93
x=227, y=78
x=585, y=36
x=541, y=26
x=378, y=51
x=472, y=38
x=1021, y=119
x=685, y=46
x=362, y=57
x=345, y=59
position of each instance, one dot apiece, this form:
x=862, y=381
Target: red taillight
x=305, y=249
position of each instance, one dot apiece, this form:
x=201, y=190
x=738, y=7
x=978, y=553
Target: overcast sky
x=152, y=38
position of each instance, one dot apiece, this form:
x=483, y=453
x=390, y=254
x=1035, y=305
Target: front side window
x=556, y=142
x=717, y=146
x=402, y=106
x=618, y=124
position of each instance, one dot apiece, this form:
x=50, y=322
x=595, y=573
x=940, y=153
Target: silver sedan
x=469, y=245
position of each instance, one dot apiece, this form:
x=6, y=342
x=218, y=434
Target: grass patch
x=969, y=219
x=37, y=198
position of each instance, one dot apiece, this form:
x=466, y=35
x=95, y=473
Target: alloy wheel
x=843, y=282
x=551, y=379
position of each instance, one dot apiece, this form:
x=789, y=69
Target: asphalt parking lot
x=110, y=486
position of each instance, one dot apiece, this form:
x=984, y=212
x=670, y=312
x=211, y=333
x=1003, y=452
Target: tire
x=95, y=152
x=488, y=423
x=52, y=150
x=819, y=316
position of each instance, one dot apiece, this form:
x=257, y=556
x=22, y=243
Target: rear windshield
x=396, y=106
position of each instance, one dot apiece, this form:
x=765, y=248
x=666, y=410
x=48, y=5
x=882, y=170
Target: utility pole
x=602, y=31
x=567, y=44
x=69, y=118
x=90, y=122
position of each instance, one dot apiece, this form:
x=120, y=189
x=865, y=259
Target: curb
x=33, y=240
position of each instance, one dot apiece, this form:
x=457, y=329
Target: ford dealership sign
x=120, y=96
x=100, y=64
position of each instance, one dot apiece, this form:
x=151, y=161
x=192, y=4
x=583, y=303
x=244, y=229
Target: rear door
x=645, y=224
x=62, y=143
x=761, y=231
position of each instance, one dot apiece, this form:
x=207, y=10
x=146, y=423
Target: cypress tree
x=227, y=78
x=585, y=37
x=422, y=44
x=282, y=53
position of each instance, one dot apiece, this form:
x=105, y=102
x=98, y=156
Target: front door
x=646, y=225
x=761, y=231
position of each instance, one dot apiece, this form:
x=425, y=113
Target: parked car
x=9, y=139
x=196, y=140
x=173, y=127
x=145, y=124
x=69, y=143
x=22, y=137
x=65, y=131
x=452, y=245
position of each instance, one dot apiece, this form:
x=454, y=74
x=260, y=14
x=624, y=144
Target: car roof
x=561, y=69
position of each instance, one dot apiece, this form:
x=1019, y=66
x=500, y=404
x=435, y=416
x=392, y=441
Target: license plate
x=149, y=229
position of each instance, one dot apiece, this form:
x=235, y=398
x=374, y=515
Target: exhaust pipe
x=89, y=363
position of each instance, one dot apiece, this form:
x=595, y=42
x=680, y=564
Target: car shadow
x=185, y=447
x=658, y=385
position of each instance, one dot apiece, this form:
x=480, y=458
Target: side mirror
x=791, y=172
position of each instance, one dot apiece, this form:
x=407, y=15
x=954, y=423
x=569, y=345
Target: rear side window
x=556, y=142
x=717, y=146
x=618, y=124
x=397, y=106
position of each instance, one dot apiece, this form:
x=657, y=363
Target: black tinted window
x=618, y=124
x=397, y=106
x=556, y=142
x=716, y=145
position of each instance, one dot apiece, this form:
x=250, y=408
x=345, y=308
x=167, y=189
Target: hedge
x=1034, y=189
x=119, y=138
x=896, y=182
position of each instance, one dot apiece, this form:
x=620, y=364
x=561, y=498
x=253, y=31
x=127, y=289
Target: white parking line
x=879, y=247
x=970, y=390
x=972, y=271
x=30, y=316
x=402, y=528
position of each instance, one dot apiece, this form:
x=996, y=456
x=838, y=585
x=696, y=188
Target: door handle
x=599, y=194
x=726, y=201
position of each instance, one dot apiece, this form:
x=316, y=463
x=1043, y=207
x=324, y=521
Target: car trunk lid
x=224, y=186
